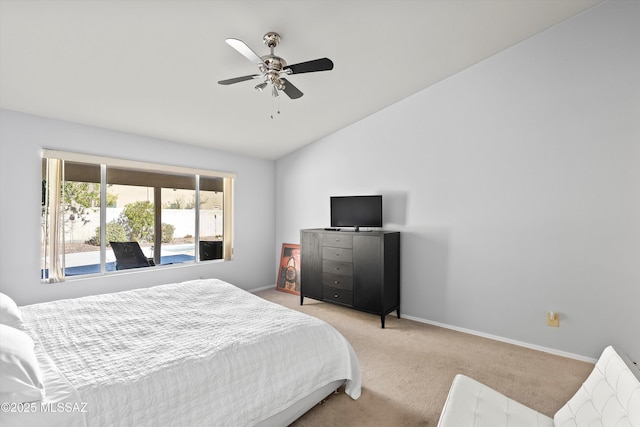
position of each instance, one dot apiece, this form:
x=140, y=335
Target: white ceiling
x=151, y=67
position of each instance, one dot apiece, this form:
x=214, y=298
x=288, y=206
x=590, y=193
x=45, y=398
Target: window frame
x=51, y=255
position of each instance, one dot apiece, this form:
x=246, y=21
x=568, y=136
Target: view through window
x=101, y=215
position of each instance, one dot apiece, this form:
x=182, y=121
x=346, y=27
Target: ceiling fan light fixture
x=261, y=86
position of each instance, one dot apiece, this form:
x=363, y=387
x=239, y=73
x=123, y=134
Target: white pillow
x=20, y=376
x=9, y=312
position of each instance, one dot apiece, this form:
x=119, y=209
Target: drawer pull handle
x=337, y=268
x=335, y=296
x=337, y=254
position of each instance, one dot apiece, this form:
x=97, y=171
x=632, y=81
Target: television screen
x=356, y=211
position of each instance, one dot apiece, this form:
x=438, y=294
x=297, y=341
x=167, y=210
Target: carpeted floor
x=407, y=369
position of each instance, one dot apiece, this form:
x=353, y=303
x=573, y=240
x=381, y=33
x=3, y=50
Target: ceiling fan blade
x=291, y=91
x=245, y=51
x=239, y=79
x=322, y=64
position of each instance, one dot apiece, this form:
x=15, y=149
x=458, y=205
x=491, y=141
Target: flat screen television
x=356, y=211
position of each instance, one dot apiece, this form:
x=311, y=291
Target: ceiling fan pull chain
x=275, y=102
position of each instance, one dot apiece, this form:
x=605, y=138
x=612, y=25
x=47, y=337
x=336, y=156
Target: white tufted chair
x=610, y=397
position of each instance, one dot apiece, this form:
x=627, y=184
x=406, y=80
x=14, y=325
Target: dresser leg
x=382, y=320
x=301, y=299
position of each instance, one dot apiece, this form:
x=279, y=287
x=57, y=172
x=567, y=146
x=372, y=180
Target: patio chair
x=129, y=255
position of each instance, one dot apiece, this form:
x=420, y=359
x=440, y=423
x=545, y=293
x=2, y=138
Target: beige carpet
x=407, y=369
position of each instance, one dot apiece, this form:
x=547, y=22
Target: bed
x=202, y=352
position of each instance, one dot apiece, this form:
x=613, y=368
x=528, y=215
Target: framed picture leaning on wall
x=288, y=279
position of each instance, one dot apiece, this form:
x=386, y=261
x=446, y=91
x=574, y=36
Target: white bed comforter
x=202, y=352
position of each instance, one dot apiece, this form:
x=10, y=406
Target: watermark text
x=45, y=407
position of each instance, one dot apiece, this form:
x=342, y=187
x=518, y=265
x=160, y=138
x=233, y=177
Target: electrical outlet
x=553, y=319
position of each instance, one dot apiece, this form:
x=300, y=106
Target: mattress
x=202, y=352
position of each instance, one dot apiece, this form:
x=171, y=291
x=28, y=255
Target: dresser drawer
x=337, y=240
x=339, y=282
x=337, y=254
x=338, y=295
x=337, y=267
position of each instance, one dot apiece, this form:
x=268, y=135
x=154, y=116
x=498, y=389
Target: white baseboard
x=502, y=339
x=264, y=288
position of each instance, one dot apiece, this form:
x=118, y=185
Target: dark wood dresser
x=360, y=270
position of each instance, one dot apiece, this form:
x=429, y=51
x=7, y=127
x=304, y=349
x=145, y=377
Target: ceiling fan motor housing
x=274, y=65
x=274, y=62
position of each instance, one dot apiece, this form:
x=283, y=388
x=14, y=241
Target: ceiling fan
x=273, y=69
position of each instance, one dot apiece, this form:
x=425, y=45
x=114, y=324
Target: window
x=159, y=214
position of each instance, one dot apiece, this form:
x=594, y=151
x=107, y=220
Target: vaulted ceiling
x=151, y=67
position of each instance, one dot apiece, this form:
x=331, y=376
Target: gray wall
x=515, y=184
x=21, y=138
